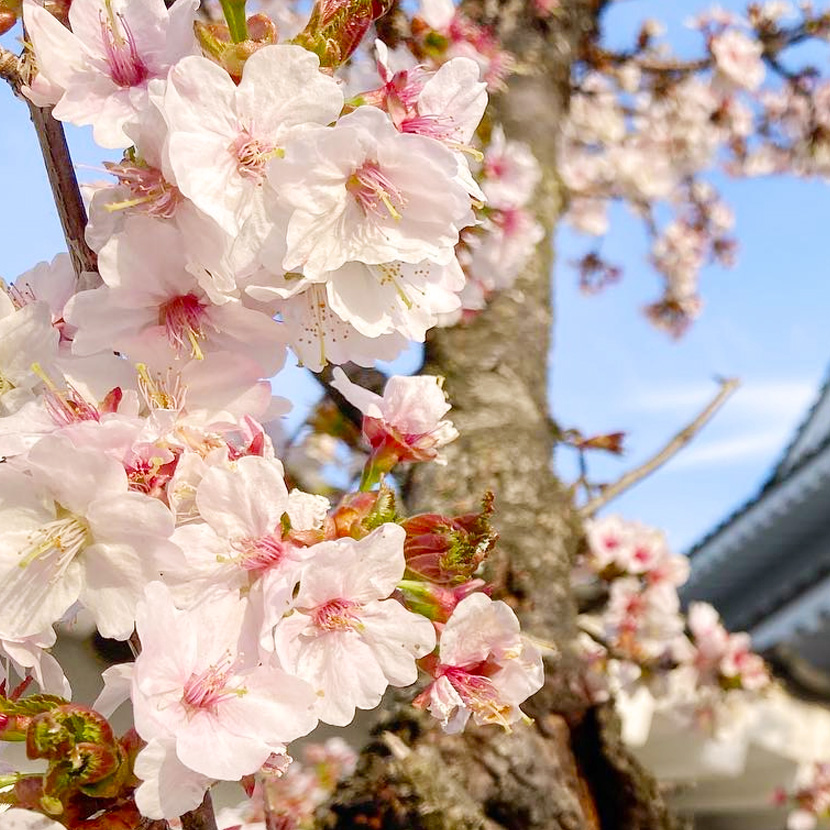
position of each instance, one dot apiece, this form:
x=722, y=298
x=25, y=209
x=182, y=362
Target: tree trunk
x=569, y=769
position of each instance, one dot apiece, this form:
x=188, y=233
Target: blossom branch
x=65, y=190
x=613, y=652
x=60, y=171
x=677, y=443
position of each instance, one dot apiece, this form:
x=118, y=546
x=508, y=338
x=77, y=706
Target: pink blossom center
x=374, y=191
x=643, y=554
x=252, y=155
x=69, y=407
x=262, y=553
x=210, y=688
x=127, y=69
x=439, y=127
x=479, y=695
x=182, y=318
x=611, y=542
x=336, y=615
x=510, y=220
x=151, y=193
x=496, y=168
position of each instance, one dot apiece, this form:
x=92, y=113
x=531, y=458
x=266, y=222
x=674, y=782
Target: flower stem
x=234, y=11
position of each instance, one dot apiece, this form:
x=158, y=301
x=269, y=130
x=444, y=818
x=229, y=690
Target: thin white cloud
x=767, y=400
x=766, y=444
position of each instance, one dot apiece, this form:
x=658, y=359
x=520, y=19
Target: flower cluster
x=288, y=800
x=691, y=663
x=254, y=210
x=809, y=798
x=647, y=128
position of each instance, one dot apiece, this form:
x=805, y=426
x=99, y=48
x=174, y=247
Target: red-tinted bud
x=7, y=20
x=59, y=9
x=435, y=602
x=358, y=514
x=448, y=550
x=336, y=28
x=612, y=442
x=13, y=727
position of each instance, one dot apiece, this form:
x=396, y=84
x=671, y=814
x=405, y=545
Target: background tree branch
x=677, y=443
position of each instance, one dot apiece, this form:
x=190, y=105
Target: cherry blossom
x=738, y=58
x=235, y=131
x=163, y=313
x=72, y=531
x=485, y=668
x=344, y=636
x=356, y=196
x=198, y=682
x=406, y=422
x=102, y=68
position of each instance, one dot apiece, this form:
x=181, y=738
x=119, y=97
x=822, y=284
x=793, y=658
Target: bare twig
x=135, y=644
x=613, y=652
x=632, y=477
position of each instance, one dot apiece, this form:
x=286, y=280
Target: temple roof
x=766, y=567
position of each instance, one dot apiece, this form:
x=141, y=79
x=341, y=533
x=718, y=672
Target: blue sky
x=764, y=321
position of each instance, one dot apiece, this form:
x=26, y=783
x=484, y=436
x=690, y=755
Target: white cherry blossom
x=356, y=195
x=344, y=636
x=223, y=136
x=198, y=681
x=153, y=309
x=485, y=668
x=103, y=67
x=71, y=532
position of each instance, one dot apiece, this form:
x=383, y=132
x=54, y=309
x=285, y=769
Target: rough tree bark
x=569, y=769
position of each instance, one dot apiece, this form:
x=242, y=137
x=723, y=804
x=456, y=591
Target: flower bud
x=448, y=550
x=358, y=514
x=436, y=602
x=216, y=42
x=336, y=28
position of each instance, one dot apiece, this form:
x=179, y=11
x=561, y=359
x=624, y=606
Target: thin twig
x=613, y=652
x=632, y=477
x=134, y=643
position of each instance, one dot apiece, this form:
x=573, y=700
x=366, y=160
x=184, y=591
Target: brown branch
x=134, y=643
x=611, y=650
x=66, y=193
x=632, y=477
x=202, y=818
x=59, y=169
x=654, y=64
